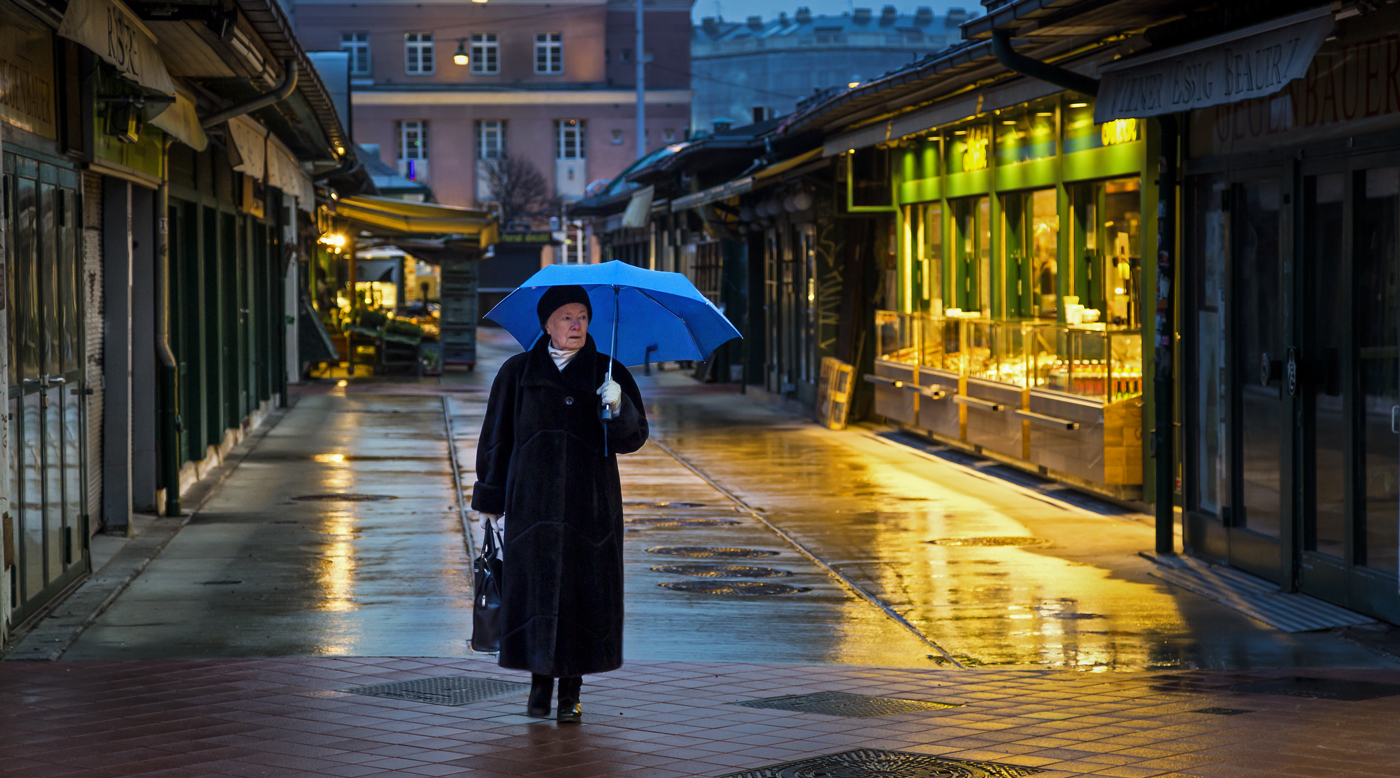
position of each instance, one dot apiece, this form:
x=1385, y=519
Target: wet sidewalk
x=276, y=718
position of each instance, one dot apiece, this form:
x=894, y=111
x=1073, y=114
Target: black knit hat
x=557, y=297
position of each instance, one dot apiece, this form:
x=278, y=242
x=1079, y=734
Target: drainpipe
x=169, y=368
x=1040, y=71
x=283, y=90
x=1164, y=325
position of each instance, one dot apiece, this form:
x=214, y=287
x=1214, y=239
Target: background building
x=551, y=83
x=753, y=70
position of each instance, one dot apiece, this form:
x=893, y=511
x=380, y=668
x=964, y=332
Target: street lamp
x=459, y=57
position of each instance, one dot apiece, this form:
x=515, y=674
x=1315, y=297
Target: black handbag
x=486, y=596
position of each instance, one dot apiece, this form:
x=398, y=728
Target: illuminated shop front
x=1015, y=326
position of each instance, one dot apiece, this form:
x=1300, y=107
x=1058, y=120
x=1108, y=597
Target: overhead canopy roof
x=389, y=218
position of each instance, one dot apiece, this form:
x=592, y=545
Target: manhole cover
x=673, y=523
x=711, y=552
x=722, y=571
x=851, y=706
x=1222, y=711
x=451, y=690
x=345, y=497
x=1000, y=541
x=872, y=763
x=643, y=504
x=733, y=588
x=1319, y=688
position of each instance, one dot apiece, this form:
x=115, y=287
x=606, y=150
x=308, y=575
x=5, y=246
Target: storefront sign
x=1256, y=62
x=1119, y=131
x=975, y=153
x=111, y=31
x=533, y=236
x=1351, y=88
x=26, y=74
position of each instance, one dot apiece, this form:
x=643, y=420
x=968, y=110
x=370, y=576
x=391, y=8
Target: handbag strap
x=494, y=541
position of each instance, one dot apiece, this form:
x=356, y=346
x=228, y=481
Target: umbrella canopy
x=659, y=317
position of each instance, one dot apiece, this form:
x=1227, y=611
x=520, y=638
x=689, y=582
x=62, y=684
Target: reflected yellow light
x=330, y=459
x=342, y=382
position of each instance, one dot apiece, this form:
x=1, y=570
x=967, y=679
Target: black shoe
x=570, y=712
x=541, y=689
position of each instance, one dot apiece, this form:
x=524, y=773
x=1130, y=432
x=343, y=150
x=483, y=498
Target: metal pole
x=1164, y=338
x=169, y=366
x=641, y=88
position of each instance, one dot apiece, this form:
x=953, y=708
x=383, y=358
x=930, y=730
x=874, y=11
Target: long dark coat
x=540, y=462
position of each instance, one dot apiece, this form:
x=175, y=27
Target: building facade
x=552, y=83
x=753, y=70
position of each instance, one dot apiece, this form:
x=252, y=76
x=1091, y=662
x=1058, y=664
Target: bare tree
x=517, y=187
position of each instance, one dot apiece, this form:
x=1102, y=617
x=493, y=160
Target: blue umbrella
x=654, y=316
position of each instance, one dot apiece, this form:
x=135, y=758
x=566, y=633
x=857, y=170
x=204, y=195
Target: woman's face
x=568, y=326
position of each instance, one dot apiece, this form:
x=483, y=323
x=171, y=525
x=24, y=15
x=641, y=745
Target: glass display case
x=1092, y=361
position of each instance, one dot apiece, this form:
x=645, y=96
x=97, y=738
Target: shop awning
x=713, y=194
x=638, y=211
x=181, y=121
x=387, y=217
x=1241, y=65
x=111, y=31
x=777, y=169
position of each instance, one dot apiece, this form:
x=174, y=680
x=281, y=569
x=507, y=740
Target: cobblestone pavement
x=295, y=717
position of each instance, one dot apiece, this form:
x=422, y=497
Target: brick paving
x=293, y=717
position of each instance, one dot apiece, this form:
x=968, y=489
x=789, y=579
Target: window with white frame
x=413, y=140
x=568, y=139
x=490, y=139
x=486, y=54
x=549, y=52
x=356, y=44
x=418, y=53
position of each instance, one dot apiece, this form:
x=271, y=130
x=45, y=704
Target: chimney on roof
x=888, y=15
x=955, y=17
x=782, y=18
x=755, y=22
x=804, y=15
x=862, y=16
x=923, y=17
x=710, y=26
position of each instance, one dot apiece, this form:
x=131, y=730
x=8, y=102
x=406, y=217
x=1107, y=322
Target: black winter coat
x=540, y=461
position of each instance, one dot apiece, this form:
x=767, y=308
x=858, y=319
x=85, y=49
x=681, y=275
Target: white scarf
x=561, y=357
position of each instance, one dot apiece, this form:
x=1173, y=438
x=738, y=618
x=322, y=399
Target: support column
x=8, y=549
x=145, y=399
x=116, y=355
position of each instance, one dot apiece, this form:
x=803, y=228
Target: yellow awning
x=780, y=168
x=389, y=217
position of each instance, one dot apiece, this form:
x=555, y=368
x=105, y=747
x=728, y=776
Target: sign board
x=111, y=31
x=26, y=74
x=459, y=312
x=834, y=393
x=1352, y=87
x=542, y=237
x=1242, y=65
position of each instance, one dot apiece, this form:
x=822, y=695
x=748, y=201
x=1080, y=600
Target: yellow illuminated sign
x=1119, y=131
x=975, y=153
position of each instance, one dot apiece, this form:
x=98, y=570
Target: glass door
x=45, y=381
x=1257, y=387
x=972, y=248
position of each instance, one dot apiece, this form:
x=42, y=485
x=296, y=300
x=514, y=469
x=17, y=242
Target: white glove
x=611, y=394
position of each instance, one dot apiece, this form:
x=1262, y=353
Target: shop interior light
x=459, y=57
x=1078, y=105
x=960, y=132
x=853, y=85
x=1045, y=113
x=1009, y=122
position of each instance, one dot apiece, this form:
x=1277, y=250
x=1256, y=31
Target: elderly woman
x=547, y=460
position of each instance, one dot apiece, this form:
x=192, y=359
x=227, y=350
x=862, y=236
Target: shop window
x=1031, y=237
x=418, y=53
x=926, y=223
x=1026, y=137
x=870, y=178
x=972, y=248
x=968, y=149
x=1210, y=244
x=1327, y=310
x=1106, y=250
x=356, y=44
x=1377, y=377
x=486, y=54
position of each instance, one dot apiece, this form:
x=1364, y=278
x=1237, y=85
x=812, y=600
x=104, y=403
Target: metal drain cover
x=451, y=690
x=846, y=705
x=672, y=523
x=722, y=571
x=711, y=552
x=873, y=763
x=733, y=588
x=999, y=541
x=1319, y=688
x=344, y=497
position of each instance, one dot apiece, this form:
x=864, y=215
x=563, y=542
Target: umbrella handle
x=612, y=353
